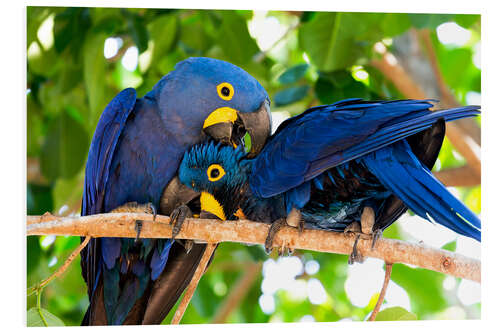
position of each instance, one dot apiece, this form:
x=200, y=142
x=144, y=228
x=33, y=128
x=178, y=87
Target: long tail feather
x=402, y=173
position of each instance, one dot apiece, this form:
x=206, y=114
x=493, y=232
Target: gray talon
x=355, y=256
x=177, y=218
x=376, y=236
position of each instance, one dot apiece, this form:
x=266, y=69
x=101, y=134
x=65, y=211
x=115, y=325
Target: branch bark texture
x=244, y=231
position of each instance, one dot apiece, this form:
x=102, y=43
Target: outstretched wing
x=323, y=137
x=102, y=148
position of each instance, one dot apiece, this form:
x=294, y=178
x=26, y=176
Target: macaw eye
x=215, y=172
x=225, y=91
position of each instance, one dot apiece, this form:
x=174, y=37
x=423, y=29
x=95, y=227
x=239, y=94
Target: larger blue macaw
x=132, y=164
x=355, y=165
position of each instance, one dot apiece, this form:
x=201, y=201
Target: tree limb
x=244, y=231
x=179, y=313
x=387, y=278
x=460, y=176
x=240, y=289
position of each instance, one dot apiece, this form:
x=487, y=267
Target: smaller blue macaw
x=354, y=165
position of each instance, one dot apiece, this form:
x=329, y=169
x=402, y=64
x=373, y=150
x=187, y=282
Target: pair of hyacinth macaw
x=179, y=149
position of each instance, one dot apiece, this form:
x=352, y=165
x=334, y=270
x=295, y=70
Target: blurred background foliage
x=79, y=58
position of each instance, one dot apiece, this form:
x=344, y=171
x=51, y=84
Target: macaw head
x=216, y=98
x=219, y=173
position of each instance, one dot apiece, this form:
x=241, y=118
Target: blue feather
x=400, y=171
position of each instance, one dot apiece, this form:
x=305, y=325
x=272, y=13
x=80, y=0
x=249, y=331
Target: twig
x=460, y=176
x=209, y=250
x=244, y=231
x=464, y=142
x=63, y=267
x=238, y=292
x=387, y=278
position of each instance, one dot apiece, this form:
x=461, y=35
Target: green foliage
x=327, y=57
x=42, y=317
x=394, y=314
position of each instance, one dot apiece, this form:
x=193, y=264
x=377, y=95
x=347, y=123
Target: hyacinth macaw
x=333, y=164
x=132, y=164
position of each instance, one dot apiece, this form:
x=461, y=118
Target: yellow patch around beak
x=221, y=115
x=211, y=205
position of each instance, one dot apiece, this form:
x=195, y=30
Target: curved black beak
x=228, y=125
x=258, y=126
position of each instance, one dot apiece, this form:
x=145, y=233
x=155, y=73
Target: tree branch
x=179, y=313
x=243, y=231
x=461, y=176
x=387, y=278
x=240, y=289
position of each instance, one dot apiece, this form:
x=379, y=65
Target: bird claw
x=153, y=210
x=375, y=237
x=138, y=228
x=134, y=207
x=177, y=218
x=285, y=250
x=273, y=230
x=355, y=256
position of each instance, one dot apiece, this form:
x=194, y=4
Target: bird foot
x=134, y=207
x=294, y=219
x=177, y=218
x=273, y=230
x=363, y=230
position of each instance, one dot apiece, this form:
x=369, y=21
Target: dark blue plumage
x=135, y=152
x=332, y=161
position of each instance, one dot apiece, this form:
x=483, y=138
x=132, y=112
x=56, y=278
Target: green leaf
x=72, y=22
x=33, y=251
x=467, y=20
x=64, y=149
x=395, y=313
x=293, y=74
x=430, y=21
x=235, y=40
x=395, y=23
x=336, y=40
x=163, y=32
x=326, y=91
x=193, y=37
x=424, y=287
x=34, y=319
x=94, y=72
x=451, y=246
x=68, y=191
x=290, y=95
x=35, y=17
x=137, y=29
x=39, y=199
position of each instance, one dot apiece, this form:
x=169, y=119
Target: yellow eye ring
x=215, y=172
x=225, y=91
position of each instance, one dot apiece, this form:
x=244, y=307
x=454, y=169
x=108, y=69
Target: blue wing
x=400, y=171
x=323, y=137
x=103, y=145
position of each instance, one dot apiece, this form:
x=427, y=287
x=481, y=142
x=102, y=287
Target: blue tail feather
x=400, y=171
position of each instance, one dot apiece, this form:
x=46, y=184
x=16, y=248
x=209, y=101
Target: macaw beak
x=210, y=207
x=229, y=125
